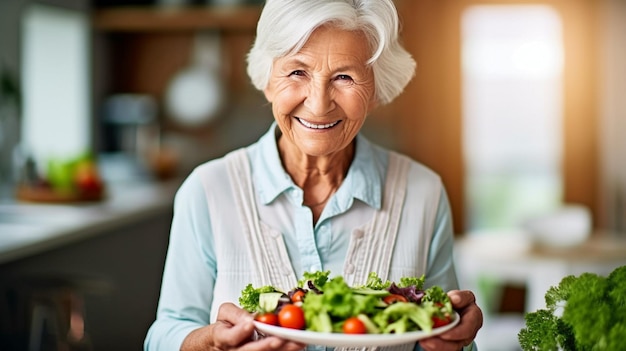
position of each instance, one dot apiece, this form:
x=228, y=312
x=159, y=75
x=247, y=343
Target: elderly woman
x=312, y=194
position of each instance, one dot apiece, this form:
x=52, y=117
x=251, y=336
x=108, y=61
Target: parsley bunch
x=586, y=312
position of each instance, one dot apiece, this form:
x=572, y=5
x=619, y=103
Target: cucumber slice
x=366, y=291
x=269, y=301
x=369, y=325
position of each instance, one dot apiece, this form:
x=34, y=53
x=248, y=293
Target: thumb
x=461, y=298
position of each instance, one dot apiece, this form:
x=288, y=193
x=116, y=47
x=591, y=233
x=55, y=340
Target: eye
x=298, y=72
x=344, y=77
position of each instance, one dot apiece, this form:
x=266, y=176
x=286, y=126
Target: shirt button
x=274, y=234
x=349, y=268
x=358, y=234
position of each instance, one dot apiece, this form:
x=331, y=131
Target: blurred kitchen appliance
x=133, y=140
x=130, y=124
x=195, y=96
x=567, y=226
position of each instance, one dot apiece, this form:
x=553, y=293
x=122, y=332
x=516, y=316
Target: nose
x=319, y=100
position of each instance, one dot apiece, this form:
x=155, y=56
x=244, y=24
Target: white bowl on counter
x=567, y=226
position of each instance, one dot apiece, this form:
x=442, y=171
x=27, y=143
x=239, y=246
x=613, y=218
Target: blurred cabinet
x=139, y=50
x=126, y=255
x=148, y=19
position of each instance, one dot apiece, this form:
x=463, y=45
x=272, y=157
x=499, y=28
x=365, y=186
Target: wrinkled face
x=321, y=95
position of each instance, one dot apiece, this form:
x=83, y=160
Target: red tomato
x=389, y=299
x=354, y=325
x=441, y=321
x=291, y=316
x=267, y=318
x=297, y=296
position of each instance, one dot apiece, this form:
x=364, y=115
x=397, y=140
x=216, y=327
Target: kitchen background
x=517, y=104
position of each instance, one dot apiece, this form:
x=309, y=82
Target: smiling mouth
x=317, y=126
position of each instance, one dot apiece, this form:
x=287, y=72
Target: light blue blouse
x=187, y=291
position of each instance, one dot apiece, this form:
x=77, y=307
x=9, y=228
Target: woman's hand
x=464, y=302
x=233, y=330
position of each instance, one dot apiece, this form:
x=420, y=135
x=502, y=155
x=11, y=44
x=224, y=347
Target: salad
x=322, y=304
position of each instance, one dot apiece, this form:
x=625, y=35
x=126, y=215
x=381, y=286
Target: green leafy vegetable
x=318, y=279
x=374, y=282
x=586, y=312
x=337, y=303
x=249, y=299
x=327, y=303
x=370, y=326
x=418, y=283
x=437, y=296
x=404, y=316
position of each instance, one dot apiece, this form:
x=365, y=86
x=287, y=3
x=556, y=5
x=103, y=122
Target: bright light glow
x=537, y=58
x=512, y=107
x=522, y=41
x=55, y=80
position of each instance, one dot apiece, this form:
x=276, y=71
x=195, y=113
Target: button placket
x=305, y=235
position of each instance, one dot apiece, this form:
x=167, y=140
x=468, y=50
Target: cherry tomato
x=291, y=316
x=297, y=296
x=354, y=325
x=267, y=318
x=441, y=321
x=389, y=299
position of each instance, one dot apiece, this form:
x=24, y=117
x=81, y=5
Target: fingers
x=273, y=343
x=464, y=333
x=234, y=330
x=224, y=335
x=436, y=344
x=232, y=314
x=233, y=327
x=471, y=321
x=464, y=302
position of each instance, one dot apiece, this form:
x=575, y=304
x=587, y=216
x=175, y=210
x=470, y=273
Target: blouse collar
x=364, y=180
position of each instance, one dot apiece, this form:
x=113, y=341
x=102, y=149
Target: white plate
x=351, y=340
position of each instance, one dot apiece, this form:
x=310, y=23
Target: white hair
x=285, y=26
